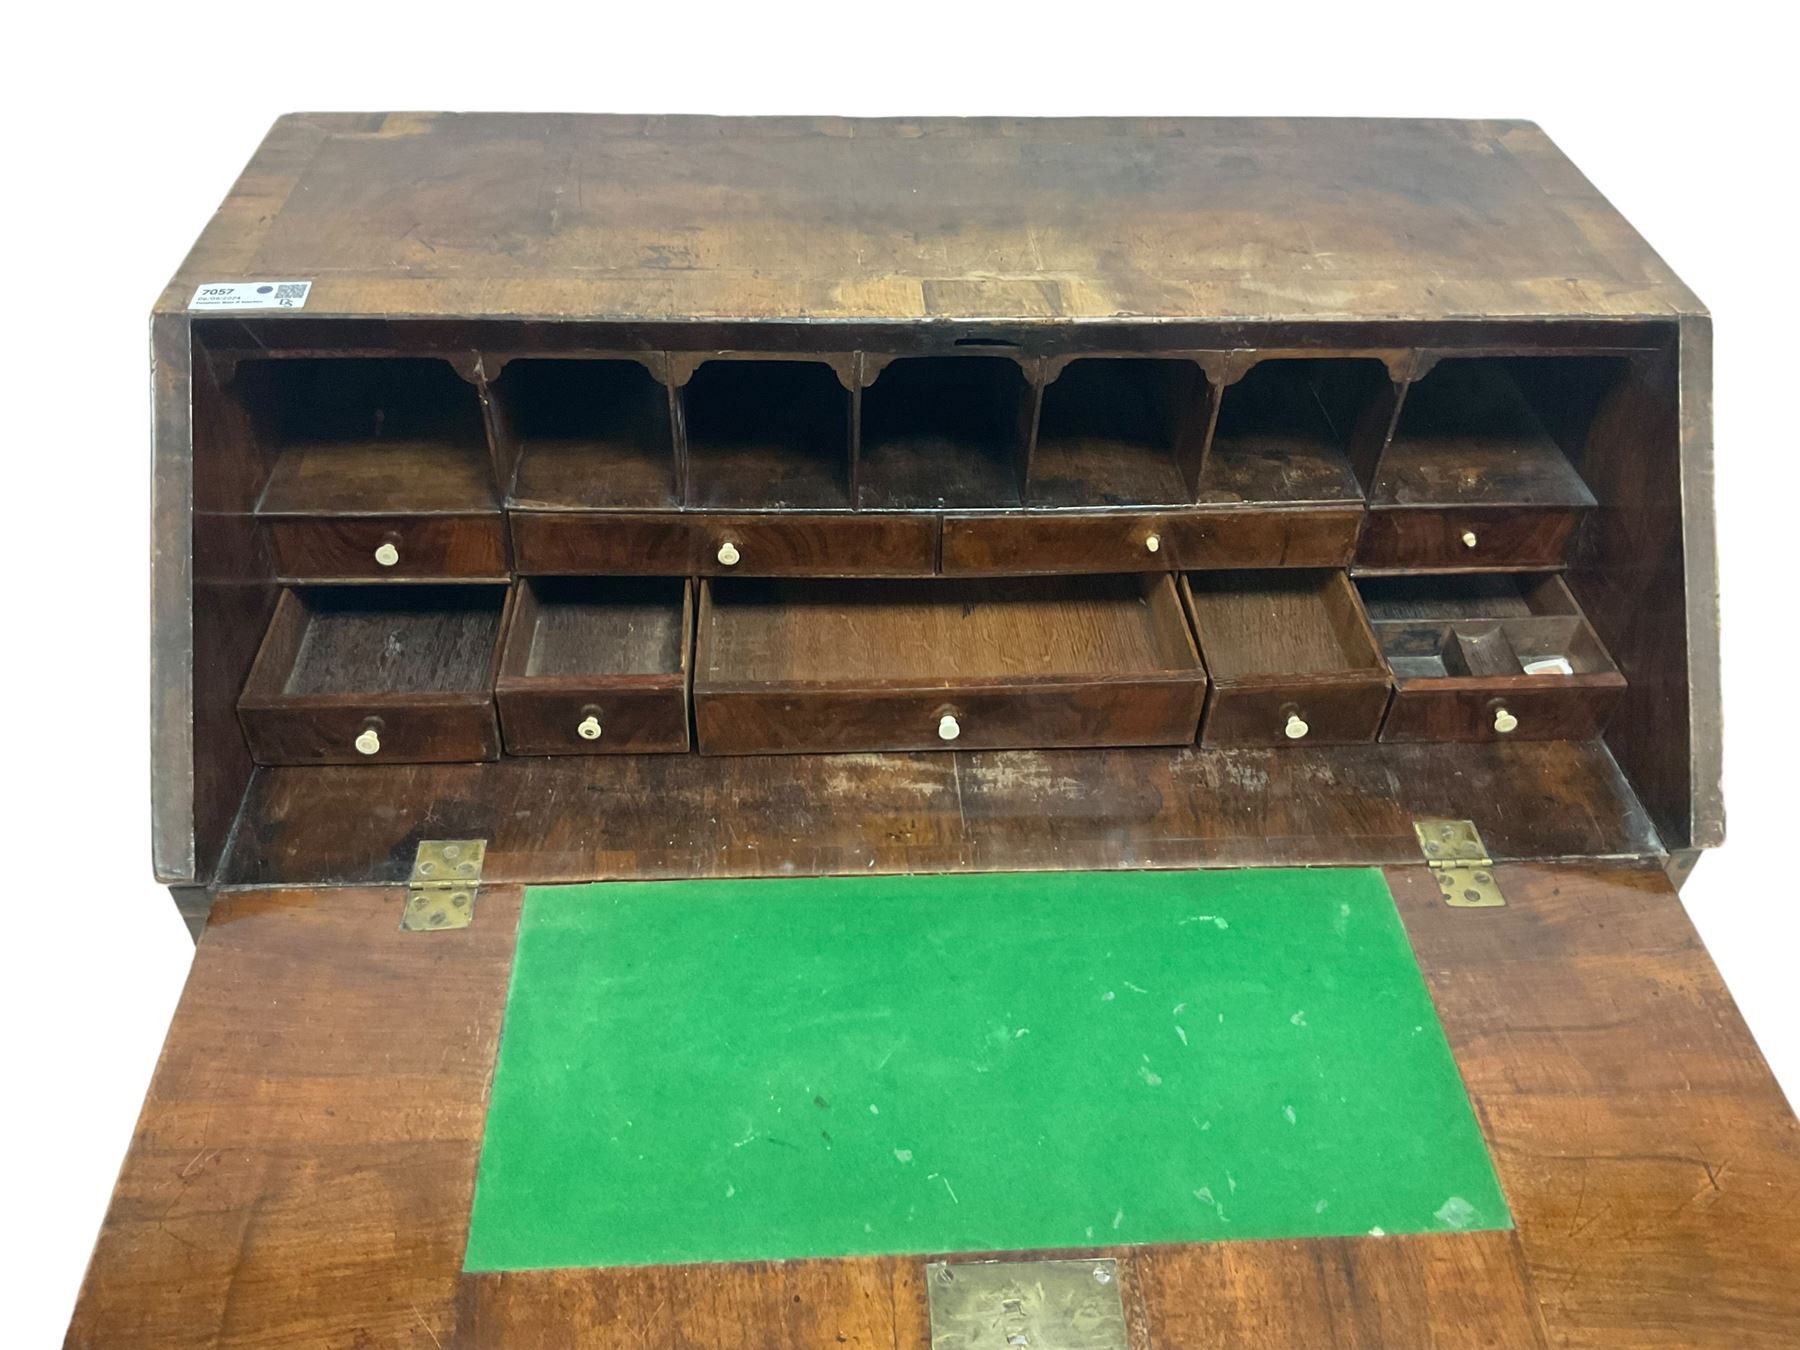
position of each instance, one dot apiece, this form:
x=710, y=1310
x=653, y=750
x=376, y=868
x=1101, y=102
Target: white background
x=127, y=128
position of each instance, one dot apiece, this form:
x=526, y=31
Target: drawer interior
x=944, y=431
x=345, y=436
x=1502, y=626
x=876, y=634
x=582, y=628
x=1274, y=624
x=585, y=434
x=1111, y=429
x=1495, y=431
x=1286, y=430
x=357, y=641
x=767, y=434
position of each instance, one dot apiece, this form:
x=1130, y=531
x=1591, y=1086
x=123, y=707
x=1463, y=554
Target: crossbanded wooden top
x=659, y=219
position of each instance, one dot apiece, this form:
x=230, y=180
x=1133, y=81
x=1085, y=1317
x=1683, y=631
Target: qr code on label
x=251, y=295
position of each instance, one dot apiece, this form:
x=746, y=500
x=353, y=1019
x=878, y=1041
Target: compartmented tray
x=365, y=674
x=596, y=665
x=1490, y=657
x=1290, y=657
x=916, y=665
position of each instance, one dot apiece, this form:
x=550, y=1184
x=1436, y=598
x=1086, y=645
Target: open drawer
x=596, y=664
x=1480, y=658
x=916, y=665
x=365, y=674
x=1290, y=657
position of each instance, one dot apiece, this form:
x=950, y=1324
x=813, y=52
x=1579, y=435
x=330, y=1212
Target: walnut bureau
x=663, y=497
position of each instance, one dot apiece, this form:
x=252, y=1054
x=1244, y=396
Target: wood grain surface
x=303, y=1168
x=645, y=218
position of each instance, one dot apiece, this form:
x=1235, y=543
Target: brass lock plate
x=1026, y=1305
x=1459, y=860
x=440, y=893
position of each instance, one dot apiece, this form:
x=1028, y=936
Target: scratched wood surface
x=651, y=218
x=581, y=817
x=302, y=1171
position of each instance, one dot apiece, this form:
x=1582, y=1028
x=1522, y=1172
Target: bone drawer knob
x=1504, y=721
x=387, y=555
x=1153, y=543
x=728, y=554
x=1296, y=727
x=589, y=728
x=1469, y=539
x=948, y=727
x=368, y=743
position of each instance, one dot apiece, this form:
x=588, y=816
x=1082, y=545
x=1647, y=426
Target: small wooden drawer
x=1466, y=538
x=376, y=675
x=1045, y=543
x=1490, y=658
x=1290, y=656
x=711, y=544
x=389, y=548
x=596, y=665
x=980, y=664
x=1268, y=536
x=1042, y=543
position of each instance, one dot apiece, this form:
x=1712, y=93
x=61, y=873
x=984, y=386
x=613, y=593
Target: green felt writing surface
x=750, y=1069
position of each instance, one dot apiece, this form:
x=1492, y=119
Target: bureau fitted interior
x=513, y=543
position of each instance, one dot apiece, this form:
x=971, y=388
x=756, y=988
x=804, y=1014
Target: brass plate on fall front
x=1005, y=1305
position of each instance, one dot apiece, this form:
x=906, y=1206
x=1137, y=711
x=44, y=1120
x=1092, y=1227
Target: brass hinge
x=1459, y=860
x=440, y=893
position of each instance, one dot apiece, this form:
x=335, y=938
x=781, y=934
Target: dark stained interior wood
x=943, y=432
x=1469, y=434
x=1110, y=429
x=391, y=641
x=1285, y=431
x=767, y=434
x=368, y=437
x=886, y=632
x=310, y=1183
x=585, y=434
x=596, y=626
x=1513, y=596
x=1279, y=623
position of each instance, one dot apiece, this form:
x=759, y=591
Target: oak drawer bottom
x=596, y=665
x=363, y=675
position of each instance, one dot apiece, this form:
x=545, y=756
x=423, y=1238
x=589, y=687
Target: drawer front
x=426, y=733
x=1336, y=713
x=1422, y=713
x=1016, y=545
x=593, y=543
x=1421, y=539
x=1248, y=536
x=1136, y=712
x=1240, y=537
x=624, y=721
x=389, y=548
